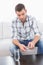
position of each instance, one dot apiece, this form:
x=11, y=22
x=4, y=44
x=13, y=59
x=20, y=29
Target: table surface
x=25, y=60
x=32, y=60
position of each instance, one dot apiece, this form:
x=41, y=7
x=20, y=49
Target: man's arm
x=33, y=42
x=37, y=34
x=21, y=46
x=16, y=42
x=15, y=38
x=36, y=31
x=36, y=39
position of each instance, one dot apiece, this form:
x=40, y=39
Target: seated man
x=25, y=31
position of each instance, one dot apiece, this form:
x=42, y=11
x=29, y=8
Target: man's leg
x=40, y=46
x=14, y=47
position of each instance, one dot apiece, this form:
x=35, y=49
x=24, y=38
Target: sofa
x=6, y=36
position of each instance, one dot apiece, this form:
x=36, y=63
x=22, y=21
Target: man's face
x=21, y=15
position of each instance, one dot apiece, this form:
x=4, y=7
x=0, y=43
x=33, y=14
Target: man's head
x=21, y=12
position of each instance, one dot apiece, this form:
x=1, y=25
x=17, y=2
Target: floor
x=6, y=60
x=24, y=60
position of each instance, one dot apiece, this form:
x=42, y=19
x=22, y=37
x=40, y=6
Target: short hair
x=19, y=7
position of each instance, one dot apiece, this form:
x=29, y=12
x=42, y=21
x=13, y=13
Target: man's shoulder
x=14, y=20
x=31, y=17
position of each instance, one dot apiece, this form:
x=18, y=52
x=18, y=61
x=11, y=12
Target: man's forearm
x=16, y=42
x=36, y=39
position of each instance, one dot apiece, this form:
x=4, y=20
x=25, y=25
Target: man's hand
x=31, y=45
x=22, y=47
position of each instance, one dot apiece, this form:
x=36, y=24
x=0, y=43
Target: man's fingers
x=30, y=45
x=25, y=47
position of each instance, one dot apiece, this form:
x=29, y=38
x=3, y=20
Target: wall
x=34, y=8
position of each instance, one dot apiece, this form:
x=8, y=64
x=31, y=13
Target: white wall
x=34, y=8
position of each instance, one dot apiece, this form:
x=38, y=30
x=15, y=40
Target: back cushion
x=7, y=29
x=1, y=30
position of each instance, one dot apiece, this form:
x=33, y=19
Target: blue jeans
x=39, y=44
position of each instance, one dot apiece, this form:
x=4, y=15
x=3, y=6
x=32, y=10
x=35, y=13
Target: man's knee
x=12, y=47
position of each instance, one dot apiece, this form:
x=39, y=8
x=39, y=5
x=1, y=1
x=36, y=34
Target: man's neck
x=24, y=20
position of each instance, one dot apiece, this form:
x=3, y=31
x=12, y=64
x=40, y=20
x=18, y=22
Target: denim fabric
x=39, y=44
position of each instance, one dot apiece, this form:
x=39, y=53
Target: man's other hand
x=31, y=45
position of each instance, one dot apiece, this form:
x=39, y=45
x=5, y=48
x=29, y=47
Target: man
x=25, y=31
